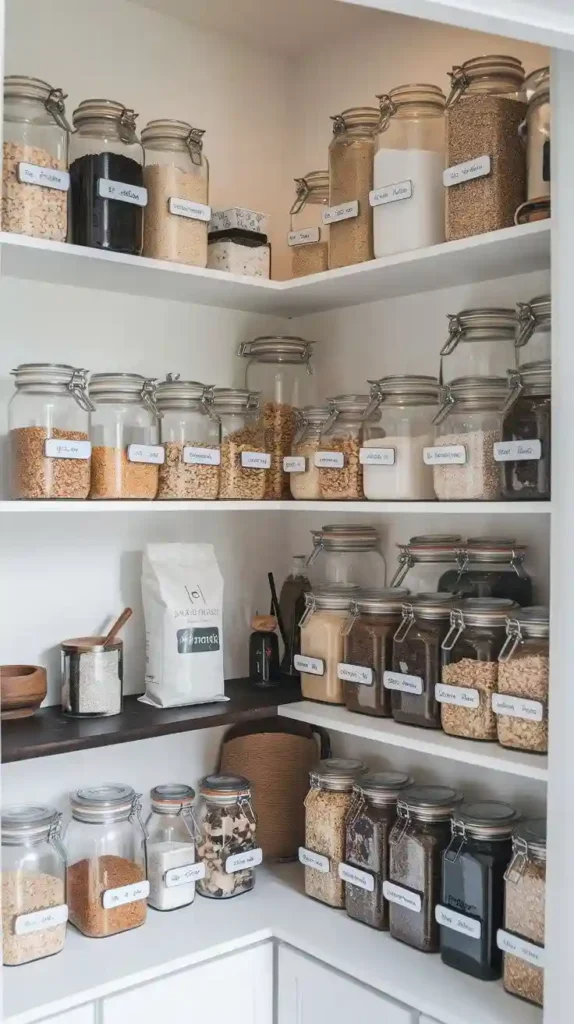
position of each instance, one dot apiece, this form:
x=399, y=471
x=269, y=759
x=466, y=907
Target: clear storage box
x=126, y=453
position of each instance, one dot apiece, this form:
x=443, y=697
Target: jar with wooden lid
x=308, y=238
x=481, y=343
x=521, y=701
x=525, y=451
x=533, y=337
x=347, y=553
x=189, y=432
x=339, y=460
x=536, y=131
x=126, y=453
x=522, y=938
x=351, y=160
x=326, y=610
x=245, y=461
x=416, y=664
x=92, y=676
x=303, y=473
x=368, y=649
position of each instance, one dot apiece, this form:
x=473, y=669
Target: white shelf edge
x=369, y=507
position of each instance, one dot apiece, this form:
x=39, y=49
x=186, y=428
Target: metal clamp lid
x=483, y=67
x=357, y=119
x=56, y=106
x=421, y=93
x=313, y=182
x=533, y=622
x=108, y=110
x=531, y=314
x=528, y=843
x=280, y=348
x=488, y=820
x=476, y=392
x=426, y=606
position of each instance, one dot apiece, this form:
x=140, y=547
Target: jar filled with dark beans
x=368, y=650
x=416, y=663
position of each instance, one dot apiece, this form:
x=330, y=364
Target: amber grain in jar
x=368, y=650
x=327, y=806
x=244, y=460
x=417, y=659
x=525, y=892
x=304, y=482
x=190, y=439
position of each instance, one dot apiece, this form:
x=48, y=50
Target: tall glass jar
x=338, y=460
x=481, y=343
x=190, y=438
x=536, y=132
x=347, y=553
x=368, y=649
x=408, y=196
x=171, y=833
x=245, y=460
x=107, y=886
x=533, y=337
x=484, y=111
x=308, y=238
x=525, y=451
x=34, y=909
x=326, y=609
x=292, y=606
x=351, y=158
x=49, y=431
x=280, y=369
x=176, y=176
x=106, y=171
x=393, y=445
x=303, y=473
x=35, y=178
x=490, y=567
x=416, y=663
x=521, y=701
x=420, y=562
x=522, y=938
x=126, y=452
x=227, y=830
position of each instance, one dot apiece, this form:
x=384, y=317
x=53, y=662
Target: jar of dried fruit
x=351, y=161
x=35, y=178
x=227, y=826
x=481, y=343
x=326, y=609
x=368, y=649
x=49, y=430
x=416, y=663
x=420, y=561
x=126, y=452
x=522, y=938
x=338, y=460
x=190, y=438
x=521, y=701
x=308, y=238
x=347, y=553
x=534, y=331
x=303, y=473
x=245, y=459
x=469, y=674
x=535, y=131
x=176, y=175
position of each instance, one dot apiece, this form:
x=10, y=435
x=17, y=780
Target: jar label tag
x=362, y=879
x=56, y=449
x=184, y=875
x=294, y=464
x=255, y=460
x=40, y=920
x=329, y=460
x=405, y=898
x=152, y=453
x=519, y=947
x=517, y=707
x=391, y=193
x=112, y=898
x=314, y=860
x=462, y=696
x=355, y=674
x=135, y=194
x=457, y=922
x=458, y=173
x=445, y=455
x=48, y=177
x=377, y=456
x=402, y=681
x=201, y=456
x=344, y=211
x=242, y=861
x=312, y=666
x=304, y=237
x=517, y=451
x=185, y=208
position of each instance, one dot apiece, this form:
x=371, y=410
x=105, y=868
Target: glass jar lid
x=337, y=773
x=482, y=72
x=484, y=324
x=47, y=378
x=532, y=316
x=109, y=802
x=500, y=550
x=362, y=120
x=539, y=77
x=485, y=819
x=277, y=349
x=484, y=611
x=389, y=601
x=172, y=134
x=415, y=94
x=312, y=188
x=474, y=393
x=531, y=379
x=410, y=389
x=107, y=110
x=383, y=787
x=235, y=400
x=331, y=596
x=225, y=787
x=430, y=606
x=429, y=803
x=123, y=387
x=345, y=537
x=171, y=798
x=315, y=414
x=531, y=623
x=352, y=406
x=22, y=822
x=173, y=393
x=23, y=87
x=432, y=548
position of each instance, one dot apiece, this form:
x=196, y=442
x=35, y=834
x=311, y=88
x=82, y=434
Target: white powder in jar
x=415, y=222
x=163, y=857
x=409, y=479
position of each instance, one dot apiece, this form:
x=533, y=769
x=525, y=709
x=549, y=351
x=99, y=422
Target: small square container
x=239, y=217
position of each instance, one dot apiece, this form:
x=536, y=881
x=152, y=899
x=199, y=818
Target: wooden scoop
x=118, y=624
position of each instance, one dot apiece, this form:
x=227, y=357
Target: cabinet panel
x=428, y=1020
x=81, y=1015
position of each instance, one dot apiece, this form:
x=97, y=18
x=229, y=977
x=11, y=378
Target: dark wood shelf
x=50, y=732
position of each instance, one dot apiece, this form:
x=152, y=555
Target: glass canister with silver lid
x=347, y=553
x=171, y=835
x=326, y=609
x=525, y=451
x=308, y=238
x=190, y=438
x=245, y=461
x=338, y=460
x=126, y=452
x=300, y=465
x=421, y=561
x=536, y=132
x=522, y=938
x=416, y=664
x=227, y=827
x=490, y=567
x=368, y=649
x=521, y=701
x=92, y=676
x=534, y=331
x=481, y=343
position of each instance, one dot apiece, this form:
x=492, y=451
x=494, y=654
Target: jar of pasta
x=338, y=459
x=351, y=161
x=300, y=465
x=308, y=238
x=521, y=701
x=522, y=938
x=325, y=612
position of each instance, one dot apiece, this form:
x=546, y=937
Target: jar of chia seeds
x=525, y=451
x=308, y=238
x=521, y=701
x=480, y=343
x=368, y=650
x=351, y=163
x=522, y=938
x=416, y=663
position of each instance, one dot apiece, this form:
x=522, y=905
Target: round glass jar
x=245, y=460
x=535, y=132
x=534, y=331
x=347, y=553
x=416, y=664
x=227, y=825
x=34, y=909
x=490, y=567
x=176, y=176
x=92, y=676
x=408, y=169
x=35, y=178
x=106, y=172
x=308, y=238
x=171, y=833
x=304, y=475
x=522, y=938
x=105, y=842
x=49, y=431
x=126, y=452
x=527, y=426
x=326, y=610
x=189, y=433
x=327, y=806
x=339, y=462
x=521, y=701
x=420, y=561
x=368, y=649
x=351, y=158
x=481, y=343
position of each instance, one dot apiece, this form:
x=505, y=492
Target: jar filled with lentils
x=416, y=663
x=308, y=238
x=521, y=701
x=300, y=465
x=351, y=165
x=522, y=938
x=190, y=439
x=338, y=459
x=126, y=453
x=245, y=461
x=368, y=650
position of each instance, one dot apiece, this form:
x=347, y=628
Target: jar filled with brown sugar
x=351, y=162
x=368, y=650
x=308, y=238
x=522, y=938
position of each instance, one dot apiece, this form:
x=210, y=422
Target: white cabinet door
x=310, y=993
x=237, y=988
x=81, y=1015
x=428, y=1020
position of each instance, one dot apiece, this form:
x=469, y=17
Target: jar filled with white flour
x=171, y=834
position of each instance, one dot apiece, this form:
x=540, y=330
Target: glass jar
x=34, y=909
x=245, y=460
x=470, y=666
x=340, y=469
x=351, y=158
x=35, y=178
x=416, y=661
x=473, y=868
x=308, y=238
x=366, y=865
x=368, y=649
x=292, y=606
x=420, y=562
x=49, y=429
x=408, y=211
x=170, y=847
x=417, y=842
x=126, y=452
x=326, y=609
x=105, y=841
x=533, y=337
x=484, y=111
x=303, y=473
x=106, y=171
x=481, y=343
x=393, y=444
x=535, y=132
x=327, y=806
x=521, y=701
x=190, y=439
x=280, y=370
x=227, y=825
x=490, y=567
x=527, y=426
x=522, y=939
x=176, y=176
x=347, y=553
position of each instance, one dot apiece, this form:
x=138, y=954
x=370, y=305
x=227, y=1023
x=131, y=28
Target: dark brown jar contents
x=529, y=420
x=417, y=657
x=368, y=644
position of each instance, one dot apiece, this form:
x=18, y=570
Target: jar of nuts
x=190, y=438
x=245, y=459
x=126, y=452
x=521, y=701
x=338, y=460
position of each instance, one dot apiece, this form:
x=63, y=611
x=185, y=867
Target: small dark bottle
x=264, y=652
x=292, y=606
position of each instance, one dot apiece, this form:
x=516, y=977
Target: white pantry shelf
x=490, y=508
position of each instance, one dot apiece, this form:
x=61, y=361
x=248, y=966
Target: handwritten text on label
x=462, y=696
x=150, y=453
x=402, y=897
x=517, y=451
x=311, y=666
x=391, y=193
x=32, y=174
x=184, y=875
x=125, y=894
x=313, y=860
x=445, y=455
x=377, y=456
x=344, y=211
x=402, y=681
x=458, y=173
x=185, y=208
x=134, y=194
x=304, y=237
x=241, y=861
x=457, y=922
x=355, y=674
x=56, y=449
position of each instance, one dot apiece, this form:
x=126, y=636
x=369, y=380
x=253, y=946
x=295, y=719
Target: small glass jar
x=35, y=178
x=303, y=473
x=92, y=676
x=417, y=842
x=535, y=131
x=351, y=158
x=409, y=164
x=472, y=899
x=245, y=460
x=420, y=562
x=534, y=331
x=369, y=824
x=327, y=807
x=368, y=650
x=176, y=176
x=394, y=442
x=521, y=701
x=522, y=938
x=484, y=111
x=190, y=438
x=34, y=909
x=227, y=826
x=416, y=664
x=470, y=666
x=347, y=553
x=171, y=833
x=338, y=460
x=481, y=343
x=490, y=567
x=527, y=426
x=308, y=238
x=126, y=452
x=106, y=171
x=49, y=429
x=105, y=841
x=326, y=609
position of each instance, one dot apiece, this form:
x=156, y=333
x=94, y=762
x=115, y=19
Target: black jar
x=526, y=432
x=490, y=567
x=416, y=666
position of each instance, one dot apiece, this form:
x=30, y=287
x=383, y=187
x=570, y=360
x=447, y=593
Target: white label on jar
x=391, y=193
x=241, y=861
x=314, y=860
x=152, y=453
x=355, y=674
x=517, y=451
x=135, y=194
x=477, y=168
x=255, y=460
x=294, y=464
x=312, y=666
x=517, y=707
x=402, y=897
x=32, y=174
x=185, y=208
x=329, y=460
x=402, y=681
x=462, y=696
x=445, y=455
x=125, y=894
x=304, y=237
x=362, y=879
x=41, y=920
x=55, y=449
x=201, y=456
x=184, y=875
x=458, y=922
x=521, y=948
x=377, y=456
x=344, y=211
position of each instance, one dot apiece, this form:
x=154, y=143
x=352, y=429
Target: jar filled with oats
x=351, y=162
x=521, y=703
x=190, y=439
x=245, y=459
x=303, y=473
x=522, y=938
x=35, y=178
x=308, y=238
x=126, y=452
x=338, y=459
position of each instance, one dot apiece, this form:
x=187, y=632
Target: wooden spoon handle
x=118, y=624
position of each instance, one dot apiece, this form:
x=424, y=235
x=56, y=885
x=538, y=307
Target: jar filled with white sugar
x=171, y=835
x=92, y=677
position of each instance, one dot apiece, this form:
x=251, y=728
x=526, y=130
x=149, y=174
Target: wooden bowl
x=22, y=690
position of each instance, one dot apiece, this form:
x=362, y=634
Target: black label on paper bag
x=196, y=640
